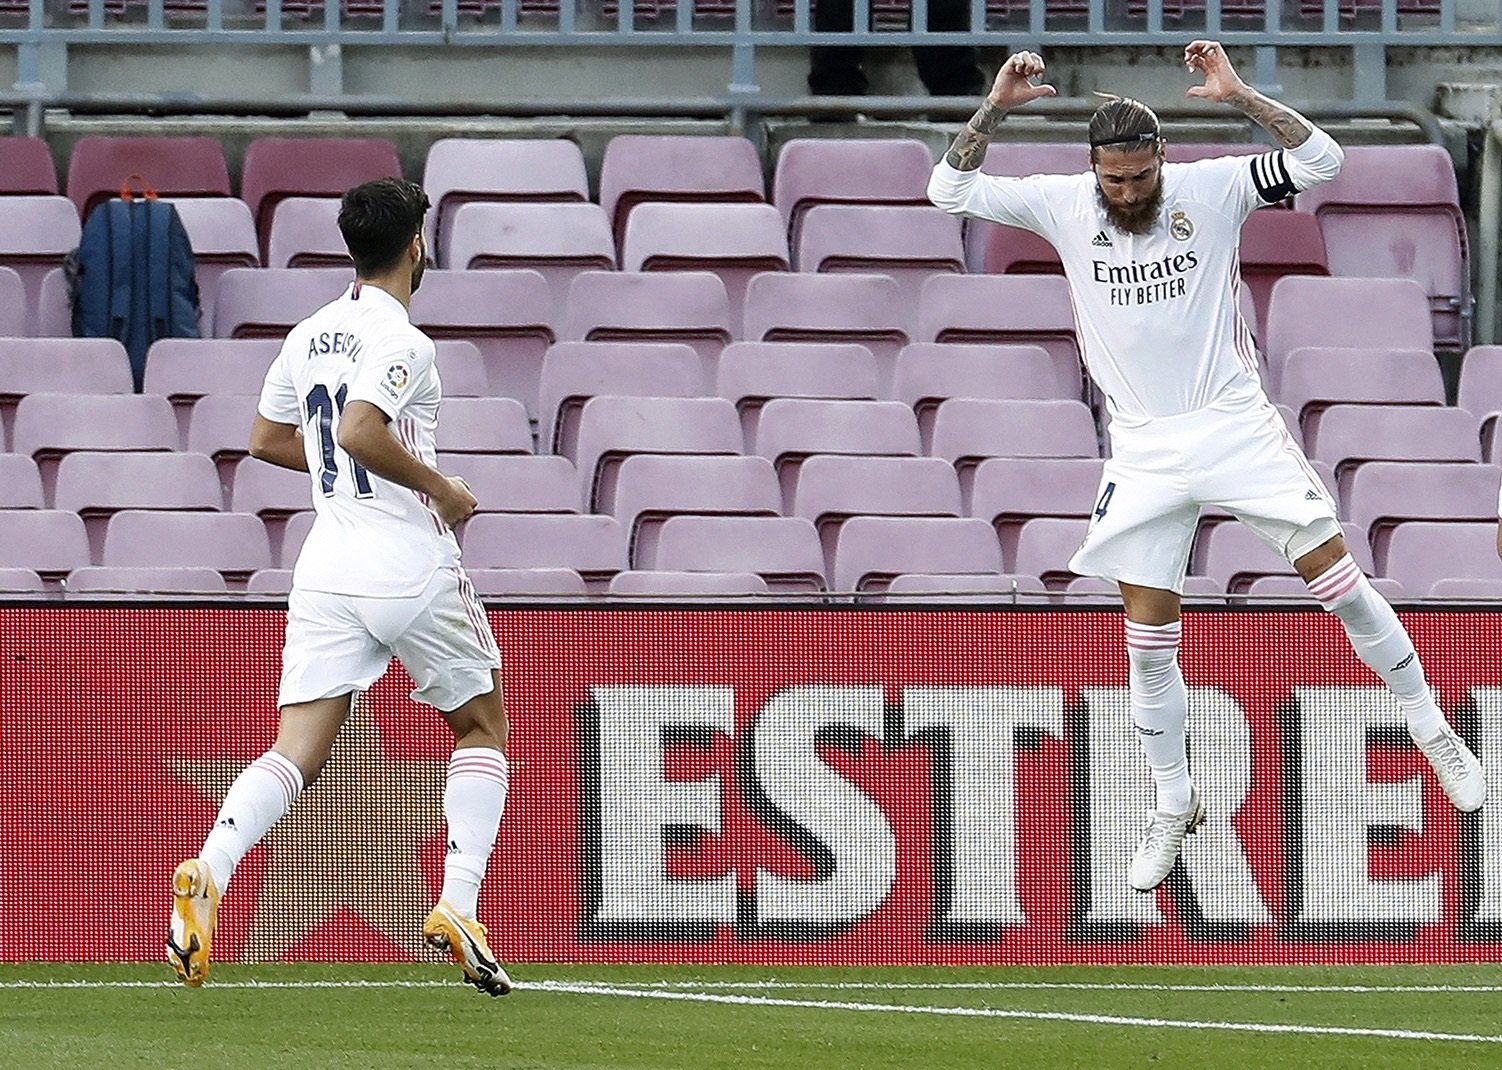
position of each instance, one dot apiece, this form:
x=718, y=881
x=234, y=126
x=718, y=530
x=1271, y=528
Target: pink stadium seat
x=1008, y=491
x=968, y=430
x=506, y=314
x=611, y=428
x=99, y=484
x=864, y=309
x=650, y=489
x=609, y=306
x=26, y=166
x=528, y=583
x=793, y=429
x=930, y=373
x=593, y=546
x=268, y=491
x=231, y=543
x=99, y=579
x=1351, y=434
x=63, y=366
x=54, y=311
x=280, y=167
x=1307, y=311
x=1014, y=251
x=1315, y=379
x=185, y=369
x=294, y=532
x=21, y=581
x=1381, y=494
x=1190, y=151
x=515, y=483
x=269, y=302
x=1044, y=546
x=50, y=542
x=1198, y=590
x=814, y=171
x=461, y=368
x=461, y=171
x=36, y=234
x=1275, y=244
x=734, y=241
x=1422, y=553
x=644, y=168
x=1452, y=588
x=973, y=589
x=1005, y=309
x=20, y=483
x=15, y=314
x=1394, y=212
x=220, y=427
x=483, y=425
x=831, y=489
x=270, y=582
x=305, y=234
x=556, y=240
x=1480, y=391
x=686, y=586
x=49, y=425
x=223, y=236
x=574, y=372
x=1233, y=555
x=173, y=166
x=752, y=373
x=871, y=550
x=784, y=551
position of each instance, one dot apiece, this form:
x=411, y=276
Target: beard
x=417, y=270
x=1139, y=218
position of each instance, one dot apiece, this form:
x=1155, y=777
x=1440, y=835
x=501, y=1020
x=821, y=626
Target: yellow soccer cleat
x=195, y=911
x=463, y=938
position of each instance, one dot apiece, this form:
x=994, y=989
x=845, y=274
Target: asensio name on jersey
x=1157, y=313
x=370, y=537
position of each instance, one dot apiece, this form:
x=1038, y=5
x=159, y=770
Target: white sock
x=473, y=801
x=260, y=795
x=1381, y=641
x=1160, y=704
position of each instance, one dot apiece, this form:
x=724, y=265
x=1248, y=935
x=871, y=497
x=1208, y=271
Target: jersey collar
x=368, y=292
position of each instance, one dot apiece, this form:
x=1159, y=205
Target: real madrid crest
x=1179, y=226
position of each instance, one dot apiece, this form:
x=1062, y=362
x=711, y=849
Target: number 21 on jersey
x=324, y=411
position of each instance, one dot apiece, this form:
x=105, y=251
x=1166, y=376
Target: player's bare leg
x=473, y=801
x=1159, y=707
x=260, y=795
x=1381, y=641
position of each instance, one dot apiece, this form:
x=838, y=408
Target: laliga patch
x=397, y=377
x=1179, y=226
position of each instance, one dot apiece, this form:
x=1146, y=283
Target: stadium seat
x=783, y=550
x=270, y=582
x=49, y=542
x=1043, y=548
x=305, y=234
x=62, y=366
x=968, y=430
x=556, y=240
x=528, y=583
x=1233, y=555
x=54, y=310
x=36, y=235
x=220, y=427
x=231, y=543
x=593, y=546
x=1014, y=251
x=516, y=483
x=734, y=241
x=750, y=374
x=16, y=316
x=269, y=491
x=26, y=166
x=1421, y=553
x=20, y=483
x=461, y=171
x=269, y=302
x=644, y=168
x=814, y=171
x=97, y=484
x=1348, y=435
x=864, y=309
x=279, y=167
x=930, y=373
x=832, y=489
x=972, y=589
x=1006, y=309
x=611, y=306
x=650, y=489
x=1315, y=379
x=871, y=550
x=293, y=532
x=185, y=369
x=1394, y=212
x=21, y=581
x=611, y=428
x=483, y=425
x=1306, y=311
x=1381, y=494
x=101, y=579
x=1480, y=391
x=172, y=166
x=1275, y=244
x=574, y=372
x=909, y=243
x=1453, y=588
x=223, y=236
x=48, y=426
x=685, y=586
x=792, y=429
x=1006, y=492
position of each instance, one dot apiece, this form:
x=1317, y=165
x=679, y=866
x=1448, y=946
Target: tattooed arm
x=1013, y=87
x=1224, y=85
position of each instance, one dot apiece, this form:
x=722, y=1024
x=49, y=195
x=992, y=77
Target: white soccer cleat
x=195, y=912
x=1159, y=847
x=1459, y=771
x=463, y=938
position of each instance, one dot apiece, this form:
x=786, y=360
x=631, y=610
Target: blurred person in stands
x=1150, y=251
x=352, y=399
x=945, y=70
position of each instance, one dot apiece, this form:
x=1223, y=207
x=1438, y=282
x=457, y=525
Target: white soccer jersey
x=371, y=537
x=1157, y=314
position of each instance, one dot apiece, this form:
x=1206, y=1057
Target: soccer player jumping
x=352, y=399
x=1150, y=250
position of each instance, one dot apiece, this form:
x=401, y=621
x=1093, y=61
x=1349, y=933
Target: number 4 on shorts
x=1105, y=501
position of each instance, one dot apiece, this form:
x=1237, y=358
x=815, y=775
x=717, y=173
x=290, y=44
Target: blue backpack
x=132, y=276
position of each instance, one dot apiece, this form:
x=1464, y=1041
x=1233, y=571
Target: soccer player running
x=352, y=399
x=1150, y=251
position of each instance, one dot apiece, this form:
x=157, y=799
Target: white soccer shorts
x=1151, y=490
x=338, y=643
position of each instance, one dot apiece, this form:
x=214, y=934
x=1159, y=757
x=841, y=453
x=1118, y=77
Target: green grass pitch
x=698, y=1018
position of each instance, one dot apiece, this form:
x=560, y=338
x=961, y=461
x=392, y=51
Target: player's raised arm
x=1012, y=88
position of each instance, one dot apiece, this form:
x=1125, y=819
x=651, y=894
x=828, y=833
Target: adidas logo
x=1311, y=495
x=1101, y=240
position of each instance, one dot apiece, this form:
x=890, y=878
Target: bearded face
x=1130, y=186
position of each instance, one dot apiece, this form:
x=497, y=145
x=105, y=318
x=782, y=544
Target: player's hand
x=1221, y=80
x=456, y=502
x=1013, y=86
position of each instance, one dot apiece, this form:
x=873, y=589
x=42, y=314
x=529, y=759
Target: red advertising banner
x=809, y=786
